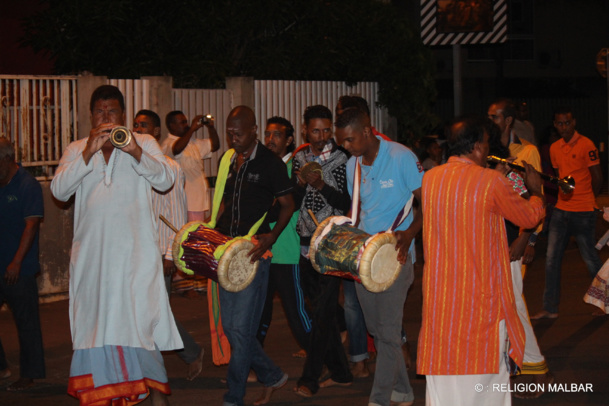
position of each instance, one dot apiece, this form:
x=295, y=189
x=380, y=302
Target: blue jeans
x=356, y=326
x=241, y=313
x=563, y=225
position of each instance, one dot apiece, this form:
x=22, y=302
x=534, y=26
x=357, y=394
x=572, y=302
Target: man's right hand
x=12, y=272
x=196, y=123
x=532, y=180
x=97, y=138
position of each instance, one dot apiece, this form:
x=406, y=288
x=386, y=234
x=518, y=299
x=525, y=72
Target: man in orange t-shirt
x=573, y=155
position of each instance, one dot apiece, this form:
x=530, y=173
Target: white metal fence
x=39, y=116
x=289, y=99
x=136, y=93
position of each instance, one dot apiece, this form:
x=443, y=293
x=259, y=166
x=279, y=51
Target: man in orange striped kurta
x=468, y=299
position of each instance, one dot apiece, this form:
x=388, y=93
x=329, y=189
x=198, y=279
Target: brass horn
x=120, y=137
x=566, y=185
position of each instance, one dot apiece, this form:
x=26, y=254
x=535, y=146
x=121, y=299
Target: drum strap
x=225, y=164
x=355, y=203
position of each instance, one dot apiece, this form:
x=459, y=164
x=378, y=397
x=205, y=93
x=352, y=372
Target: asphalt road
x=575, y=345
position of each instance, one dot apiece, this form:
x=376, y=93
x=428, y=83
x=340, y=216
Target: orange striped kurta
x=467, y=283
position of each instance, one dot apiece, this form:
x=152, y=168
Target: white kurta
x=117, y=291
x=191, y=161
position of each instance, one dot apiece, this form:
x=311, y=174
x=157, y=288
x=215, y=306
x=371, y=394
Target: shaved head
x=241, y=129
x=243, y=114
x=6, y=149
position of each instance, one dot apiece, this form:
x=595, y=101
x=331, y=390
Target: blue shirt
x=21, y=198
x=386, y=186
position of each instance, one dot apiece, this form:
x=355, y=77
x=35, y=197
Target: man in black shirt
x=256, y=178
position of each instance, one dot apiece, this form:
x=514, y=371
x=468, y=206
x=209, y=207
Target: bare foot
x=544, y=315
x=158, y=398
x=330, y=382
x=360, y=369
x=20, y=384
x=5, y=373
x=303, y=391
x=195, y=367
x=251, y=377
x=269, y=390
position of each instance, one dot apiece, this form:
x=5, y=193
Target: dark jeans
x=240, y=318
x=22, y=298
x=285, y=279
x=563, y=225
x=325, y=345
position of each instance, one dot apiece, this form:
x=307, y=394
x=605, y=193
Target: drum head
x=314, y=237
x=312, y=166
x=379, y=266
x=177, y=249
x=235, y=272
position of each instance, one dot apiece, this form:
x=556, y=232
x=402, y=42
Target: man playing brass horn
x=469, y=310
x=119, y=310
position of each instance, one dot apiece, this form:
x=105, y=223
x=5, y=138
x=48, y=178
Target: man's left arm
x=32, y=225
x=404, y=238
x=152, y=164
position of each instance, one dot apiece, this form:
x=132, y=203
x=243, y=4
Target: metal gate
x=39, y=116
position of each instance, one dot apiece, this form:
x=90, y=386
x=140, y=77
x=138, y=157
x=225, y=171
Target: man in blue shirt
x=390, y=176
x=21, y=211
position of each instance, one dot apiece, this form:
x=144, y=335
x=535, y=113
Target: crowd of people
x=479, y=229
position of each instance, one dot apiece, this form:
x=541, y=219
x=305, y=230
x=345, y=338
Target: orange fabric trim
x=119, y=394
x=220, y=347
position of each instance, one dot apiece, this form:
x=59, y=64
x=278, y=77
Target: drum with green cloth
x=348, y=252
x=204, y=251
x=199, y=248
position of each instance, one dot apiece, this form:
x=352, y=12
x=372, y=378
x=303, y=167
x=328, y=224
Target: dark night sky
x=15, y=60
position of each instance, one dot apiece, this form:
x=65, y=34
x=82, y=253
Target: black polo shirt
x=250, y=191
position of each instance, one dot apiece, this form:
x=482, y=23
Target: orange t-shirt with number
x=574, y=158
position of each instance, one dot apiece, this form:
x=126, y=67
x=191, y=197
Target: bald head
x=243, y=114
x=241, y=129
x=6, y=149
x=8, y=167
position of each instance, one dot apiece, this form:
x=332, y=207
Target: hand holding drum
x=350, y=253
x=312, y=174
x=193, y=252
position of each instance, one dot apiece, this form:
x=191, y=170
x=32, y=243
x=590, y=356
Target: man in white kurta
x=119, y=310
